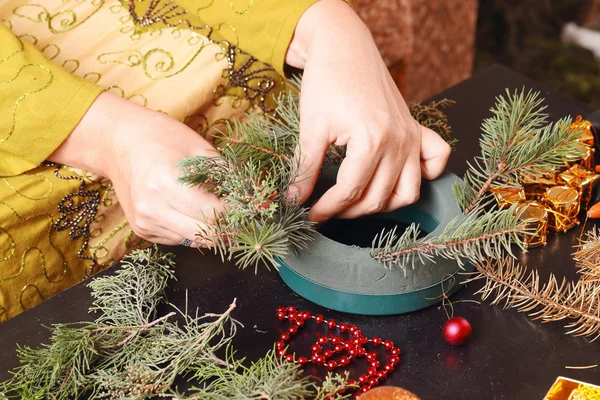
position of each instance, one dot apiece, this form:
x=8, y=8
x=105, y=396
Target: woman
x=121, y=91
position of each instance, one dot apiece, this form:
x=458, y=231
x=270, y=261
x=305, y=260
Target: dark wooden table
x=509, y=356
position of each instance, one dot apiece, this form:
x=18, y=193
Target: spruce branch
x=505, y=282
x=516, y=139
x=472, y=237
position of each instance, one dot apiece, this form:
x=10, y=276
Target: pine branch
x=516, y=139
x=117, y=357
x=588, y=258
x=511, y=285
x=473, y=237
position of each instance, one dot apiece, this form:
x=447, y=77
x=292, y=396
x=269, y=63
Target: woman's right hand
x=138, y=150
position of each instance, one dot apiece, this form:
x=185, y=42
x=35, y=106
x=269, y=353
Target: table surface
x=509, y=356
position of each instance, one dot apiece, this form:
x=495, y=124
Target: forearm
x=325, y=26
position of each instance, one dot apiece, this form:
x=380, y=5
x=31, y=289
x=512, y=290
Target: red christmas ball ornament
x=457, y=330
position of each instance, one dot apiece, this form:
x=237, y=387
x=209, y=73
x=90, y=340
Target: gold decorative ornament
x=536, y=216
x=563, y=202
x=506, y=197
x=587, y=161
x=582, y=180
x=587, y=130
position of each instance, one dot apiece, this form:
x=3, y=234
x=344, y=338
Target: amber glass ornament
x=581, y=179
x=536, y=216
x=388, y=393
x=564, y=205
x=506, y=197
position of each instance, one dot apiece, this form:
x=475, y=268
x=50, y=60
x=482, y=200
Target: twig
x=581, y=367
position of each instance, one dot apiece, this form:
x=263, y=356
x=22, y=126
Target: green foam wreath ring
x=346, y=278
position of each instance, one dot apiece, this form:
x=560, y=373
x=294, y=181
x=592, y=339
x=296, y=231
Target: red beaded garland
x=325, y=348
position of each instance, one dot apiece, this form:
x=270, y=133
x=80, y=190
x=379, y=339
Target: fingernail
x=293, y=193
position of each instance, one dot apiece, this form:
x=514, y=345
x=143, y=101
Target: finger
x=379, y=190
x=408, y=187
x=353, y=177
x=434, y=154
x=309, y=155
x=186, y=227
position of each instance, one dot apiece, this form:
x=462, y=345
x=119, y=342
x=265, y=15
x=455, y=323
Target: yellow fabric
x=40, y=104
x=236, y=21
x=174, y=57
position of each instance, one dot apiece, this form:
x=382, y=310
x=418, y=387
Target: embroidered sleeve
x=263, y=28
x=40, y=104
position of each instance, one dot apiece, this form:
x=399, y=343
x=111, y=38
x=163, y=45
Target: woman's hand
x=349, y=98
x=138, y=149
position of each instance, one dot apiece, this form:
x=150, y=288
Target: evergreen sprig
x=130, y=352
x=471, y=237
x=515, y=140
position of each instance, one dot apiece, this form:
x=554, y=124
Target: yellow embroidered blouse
x=200, y=62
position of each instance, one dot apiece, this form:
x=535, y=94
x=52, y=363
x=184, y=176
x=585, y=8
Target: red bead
x=299, y=322
x=352, y=352
x=357, y=333
x=302, y=360
x=371, y=357
x=293, y=330
x=373, y=381
x=375, y=364
x=352, y=328
x=281, y=352
x=360, y=351
x=315, y=348
x=281, y=316
x=344, y=361
x=332, y=364
x=338, y=348
x=336, y=339
x=355, y=342
x=280, y=310
x=322, y=340
x=343, y=327
x=363, y=379
x=357, y=395
x=289, y=357
x=388, y=368
x=320, y=360
x=280, y=345
x=457, y=330
x=365, y=388
x=395, y=360
x=372, y=371
x=377, y=341
x=396, y=351
x=319, y=319
x=305, y=315
x=388, y=345
x=285, y=337
x=331, y=323
x=291, y=309
x=364, y=340
x=381, y=375
x=327, y=353
x=292, y=315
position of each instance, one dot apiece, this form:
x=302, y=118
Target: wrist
x=325, y=24
x=89, y=146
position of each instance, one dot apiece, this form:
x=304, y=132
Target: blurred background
x=430, y=45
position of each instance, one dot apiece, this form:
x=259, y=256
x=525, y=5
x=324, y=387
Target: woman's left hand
x=349, y=98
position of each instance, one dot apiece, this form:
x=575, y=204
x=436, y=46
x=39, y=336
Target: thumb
x=434, y=154
x=309, y=156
